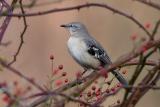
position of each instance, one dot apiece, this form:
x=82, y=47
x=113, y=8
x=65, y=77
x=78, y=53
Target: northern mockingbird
x=87, y=51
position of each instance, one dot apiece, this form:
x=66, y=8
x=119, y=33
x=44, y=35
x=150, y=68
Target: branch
x=18, y=73
x=150, y=3
x=155, y=29
x=21, y=36
x=78, y=7
x=138, y=93
x=136, y=62
x=138, y=70
x=8, y=18
x=96, y=104
x=59, y=94
x=131, y=55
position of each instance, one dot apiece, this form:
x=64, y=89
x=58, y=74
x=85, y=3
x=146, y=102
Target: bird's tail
x=120, y=78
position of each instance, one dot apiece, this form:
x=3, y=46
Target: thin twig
x=8, y=18
x=138, y=93
x=155, y=29
x=150, y=3
x=3, y=63
x=78, y=7
x=138, y=70
x=59, y=94
x=21, y=36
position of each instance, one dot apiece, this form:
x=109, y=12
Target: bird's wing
x=96, y=50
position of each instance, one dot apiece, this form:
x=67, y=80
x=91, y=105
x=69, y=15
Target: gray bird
x=87, y=51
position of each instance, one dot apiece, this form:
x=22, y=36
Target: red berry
x=3, y=84
x=93, y=87
x=64, y=73
x=119, y=85
x=58, y=83
x=144, y=49
x=134, y=37
x=89, y=94
x=107, y=91
x=113, y=89
x=99, y=89
x=6, y=99
x=118, y=101
x=98, y=93
x=51, y=57
x=109, y=82
x=80, y=95
x=147, y=25
x=66, y=80
x=60, y=67
x=103, y=72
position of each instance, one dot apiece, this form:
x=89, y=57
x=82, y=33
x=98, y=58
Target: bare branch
x=138, y=70
x=21, y=36
x=138, y=93
x=59, y=94
x=78, y=7
x=8, y=18
x=150, y=3
x=18, y=73
x=155, y=29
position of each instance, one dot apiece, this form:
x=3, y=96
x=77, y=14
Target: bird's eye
x=73, y=26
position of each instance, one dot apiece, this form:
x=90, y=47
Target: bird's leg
x=78, y=82
x=110, y=81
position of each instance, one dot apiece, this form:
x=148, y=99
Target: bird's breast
x=79, y=51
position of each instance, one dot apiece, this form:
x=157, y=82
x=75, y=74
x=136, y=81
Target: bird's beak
x=64, y=26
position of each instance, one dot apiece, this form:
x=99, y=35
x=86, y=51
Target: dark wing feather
x=96, y=50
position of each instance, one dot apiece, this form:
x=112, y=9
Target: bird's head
x=74, y=27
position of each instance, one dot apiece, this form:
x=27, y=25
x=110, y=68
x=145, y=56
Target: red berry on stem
x=60, y=67
x=119, y=85
x=134, y=37
x=93, y=87
x=147, y=25
x=109, y=82
x=80, y=95
x=58, y=83
x=6, y=99
x=64, y=73
x=66, y=80
x=107, y=91
x=113, y=89
x=89, y=94
x=118, y=101
x=51, y=57
x=97, y=93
